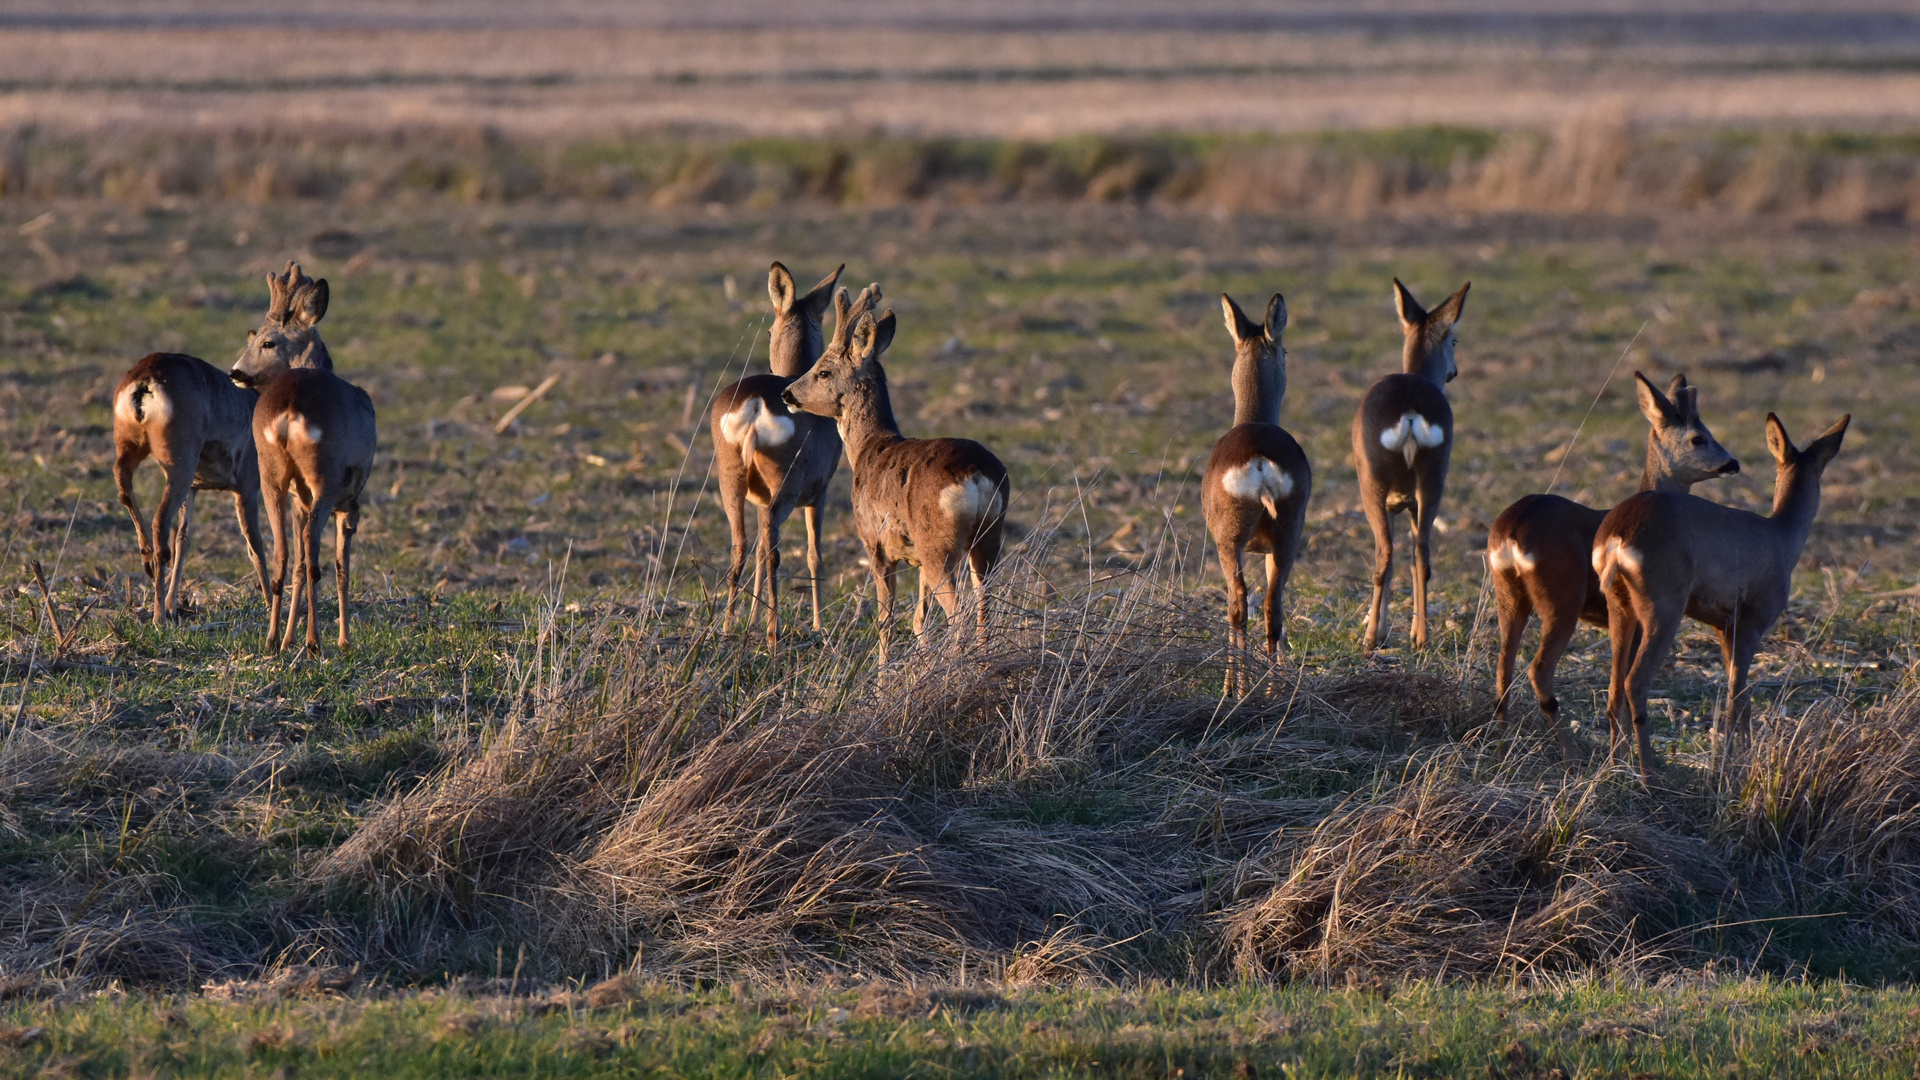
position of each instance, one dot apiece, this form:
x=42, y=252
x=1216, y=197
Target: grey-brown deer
x=774, y=458
x=182, y=412
x=1662, y=556
x=1255, y=490
x=1402, y=441
x=939, y=504
x=314, y=433
x=1540, y=549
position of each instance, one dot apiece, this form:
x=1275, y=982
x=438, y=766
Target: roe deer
x=1540, y=549
x=1402, y=439
x=1662, y=556
x=939, y=504
x=772, y=457
x=182, y=412
x=1254, y=493
x=314, y=434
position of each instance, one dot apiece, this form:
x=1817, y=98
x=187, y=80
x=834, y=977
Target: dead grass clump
x=1835, y=798
x=1384, y=705
x=1451, y=874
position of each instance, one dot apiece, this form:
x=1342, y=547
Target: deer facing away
x=939, y=504
x=1662, y=556
x=1255, y=490
x=314, y=433
x=1402, y=440
x=197, y=425
x=770, y=456
x=1540, y=549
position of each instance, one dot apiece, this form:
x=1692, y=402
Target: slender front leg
x=1658, y=630
x=1737, y=647
x=920, y=603
x=812, y=515
x=883, y=581
x=1382, y=527
x=246, y=508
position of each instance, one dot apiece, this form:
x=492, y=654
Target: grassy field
x=542, y=764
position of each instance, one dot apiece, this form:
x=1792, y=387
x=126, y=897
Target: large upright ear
x=821, y=294
x=309, y=305
x=780, y=288
x=882, y=335
x=1654, y=405
x=1450, y=309
x=1778, y=443
x=1821, y=450
x=1238, y=325
x=1276, y=317
x=1411, y=313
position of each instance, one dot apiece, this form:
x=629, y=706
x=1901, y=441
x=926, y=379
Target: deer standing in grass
x=1402, y=440
x=1540, y=549
x=197, y=425
x=1662, y=556
x=314, y=434
x=774, y=458
x=939, y=504
x=1254, y=493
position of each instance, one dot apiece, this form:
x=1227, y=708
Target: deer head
x=849, y=371
x=796, y=339
x=289, y=336
x=1259, y=361
x=1679, y=446
x=1430, y=334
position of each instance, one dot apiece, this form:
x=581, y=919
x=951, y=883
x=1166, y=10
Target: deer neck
x=314, y=356
x=1259, y=385
x=866, y=421
x=1796, y=499
x=1657, y=476
x=794, y=345
x=1423, y=359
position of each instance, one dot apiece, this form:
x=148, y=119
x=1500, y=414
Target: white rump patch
x=1510, y=556
x=753, y=425
x=156, y=408
x=1615, y=555
x=1411, y=434
x=1259, y=480
x=299, y=427
x=974, y=499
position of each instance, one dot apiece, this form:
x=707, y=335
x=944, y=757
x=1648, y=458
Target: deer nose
x=787, y=396
x=239, y=378
x=1732, y=466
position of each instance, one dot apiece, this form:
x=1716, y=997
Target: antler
x=282, y=288
x=846, y=313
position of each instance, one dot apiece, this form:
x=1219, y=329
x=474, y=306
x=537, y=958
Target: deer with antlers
x=180, y=411
x=1662, y=556
x=1255, y=490
x=771, y=456
x=1402, y=441
x=939, y=504
x=1540, y=549
x=314, y=435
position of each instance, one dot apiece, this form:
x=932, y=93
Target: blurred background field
x=1053, y=198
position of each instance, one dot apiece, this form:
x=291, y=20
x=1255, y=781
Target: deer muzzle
x=787, y=396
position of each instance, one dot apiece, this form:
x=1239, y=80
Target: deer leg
x=1514, y=608
x=759, y=557
x=920, y=603
x=315, y=524
x=1426, y=508
x=883, y=581
x=1737, y=647
x=737, y=553
x=275, y=500
x=1382, y=526
x=768, y=568
x=345, y=524
x=125, y=461
x=1658, y=630
x=179, y=489
x=1556, y=633
x=246, y=508
x=812, y=516
x=1232, y=557
x=978, y=565
x=182, y=539
x=1279, y=569
x=297, y=549
x=1623, y=632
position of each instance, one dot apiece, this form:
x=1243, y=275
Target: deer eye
x=1699, y=440
x=269, y=344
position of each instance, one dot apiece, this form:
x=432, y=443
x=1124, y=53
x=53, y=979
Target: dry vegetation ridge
x=546, y=816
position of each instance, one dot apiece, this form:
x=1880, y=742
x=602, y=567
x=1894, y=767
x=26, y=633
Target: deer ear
x=821, y=294
x=780, y=288
x=1411, y=313
x=1276, y=317
x=1654, y=405
x=312, y=302
x=1238, y=325
x=1450, y=309
x=1823, y=449
x=882, y=335
x=1777, y=442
